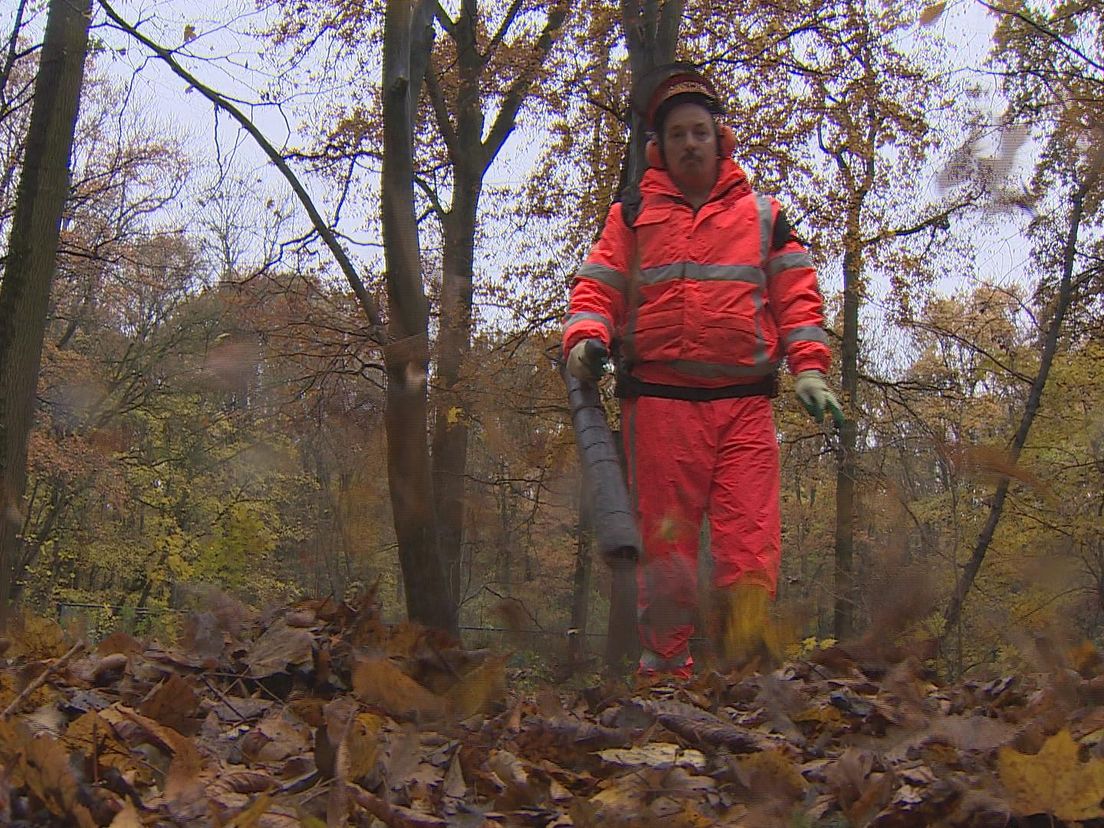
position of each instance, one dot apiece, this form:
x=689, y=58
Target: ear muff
x=726, y=145
x=726, y=141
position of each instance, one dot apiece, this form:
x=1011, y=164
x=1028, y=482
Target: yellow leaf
x=189, y=33
x=932, y=13
x=453, y=415
x=1054, y=780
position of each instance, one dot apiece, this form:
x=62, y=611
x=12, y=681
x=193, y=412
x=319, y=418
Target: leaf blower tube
x=614, y=523
x=612, y=517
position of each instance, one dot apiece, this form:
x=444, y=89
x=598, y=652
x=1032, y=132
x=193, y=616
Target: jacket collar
x=731, y=181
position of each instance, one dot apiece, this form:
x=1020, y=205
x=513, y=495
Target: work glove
x=813, y=392
x=586, y=361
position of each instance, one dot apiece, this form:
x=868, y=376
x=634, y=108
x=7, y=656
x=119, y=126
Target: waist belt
x=629, y=387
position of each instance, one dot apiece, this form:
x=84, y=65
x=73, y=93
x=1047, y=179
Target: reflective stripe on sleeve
x=807, y=333
x=594, y=317
x=787, y=261
x=606, y=275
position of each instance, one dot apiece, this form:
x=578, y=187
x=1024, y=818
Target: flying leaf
x=189, y=33
x=1053, y=781
x=932, y=13
x=480, y=688
x=378, y=681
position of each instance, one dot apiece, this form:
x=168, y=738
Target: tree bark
x=953, y=613
x=32, y=249
x=406, y=357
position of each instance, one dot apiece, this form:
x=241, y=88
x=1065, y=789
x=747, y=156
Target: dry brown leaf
x=1053, y=781
x=379, y=682
x=185, y=772
x=251, y=816
x=279, y=648
x=35, y=639
x=660, y=755
x=173, y=703
x=119, y=642
x=770, y=771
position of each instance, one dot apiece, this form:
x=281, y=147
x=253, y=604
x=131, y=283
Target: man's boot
x=746, y=637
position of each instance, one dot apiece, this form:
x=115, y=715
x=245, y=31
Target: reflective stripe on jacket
x=709, y=303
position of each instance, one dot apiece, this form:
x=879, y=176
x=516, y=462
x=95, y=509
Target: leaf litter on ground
x=320, y=714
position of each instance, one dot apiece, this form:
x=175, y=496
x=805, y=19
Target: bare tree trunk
x=406, y=357
x=847, y=466
x=461, y=122
x=953, y=614
x=450, y=426
x=32, y=250
x=651, y=33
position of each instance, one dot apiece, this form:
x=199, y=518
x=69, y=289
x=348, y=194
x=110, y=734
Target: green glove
x=587, y=360
x=813, y=392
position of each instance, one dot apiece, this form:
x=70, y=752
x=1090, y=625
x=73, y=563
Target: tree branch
x=500, y=35
x=367, y=303
x=507, y=115
x=939, y=221
x=1039, y=27
x=441, y=112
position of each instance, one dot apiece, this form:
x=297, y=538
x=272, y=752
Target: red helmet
x=661, y=84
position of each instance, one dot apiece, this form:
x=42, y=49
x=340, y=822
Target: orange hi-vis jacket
x=700, y=299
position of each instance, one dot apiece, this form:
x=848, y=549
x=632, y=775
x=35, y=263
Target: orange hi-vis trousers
x=687, y=459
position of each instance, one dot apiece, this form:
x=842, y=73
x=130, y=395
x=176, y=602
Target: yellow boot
x=746, y=636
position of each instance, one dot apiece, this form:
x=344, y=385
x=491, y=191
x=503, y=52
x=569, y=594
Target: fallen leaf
x=127, y=818
x=44, y=769
x=654, y=755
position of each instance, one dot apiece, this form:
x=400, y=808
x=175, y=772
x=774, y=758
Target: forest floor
x=320, y=714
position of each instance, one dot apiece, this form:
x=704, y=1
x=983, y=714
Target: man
x=704, y=290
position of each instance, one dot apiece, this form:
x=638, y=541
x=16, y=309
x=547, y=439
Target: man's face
x=690, y=147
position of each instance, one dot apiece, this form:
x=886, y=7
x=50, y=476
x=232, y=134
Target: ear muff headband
x=726, y=145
